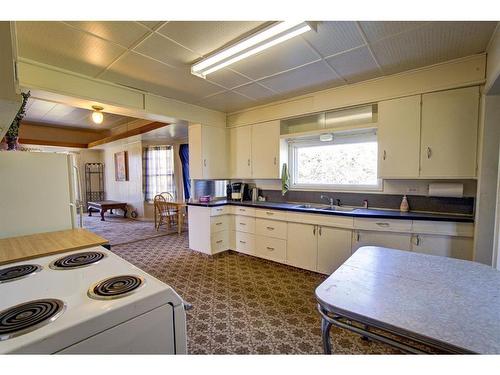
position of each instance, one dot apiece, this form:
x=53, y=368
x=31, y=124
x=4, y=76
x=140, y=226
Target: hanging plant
x=12, y=134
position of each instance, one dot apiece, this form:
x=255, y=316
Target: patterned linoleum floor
x=242, y=304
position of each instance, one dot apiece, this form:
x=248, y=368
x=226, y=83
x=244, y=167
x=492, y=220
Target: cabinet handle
x=218, y=223
x=417, y=240
x=429, y=152
x=275, y=160
x=248, y=162
x=320, y=231
x=270, y=248
x=242, y=224
x=383, y=224
x=242, y=241
x=204, y=162
x=220, y=241
x=269, y=213
x=384, y=155
x=357, y=236
x=242, y=209
x=270, y=228
x=314, y=230
x=219, y=209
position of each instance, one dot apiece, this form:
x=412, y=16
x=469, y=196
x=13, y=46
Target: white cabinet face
x=207, y=152
x=266, y=150
x=334, y=247
x=240, y=152
x=454, y=247
x=195, y=152
x=449, y=133
x=399, y=137
x=302, y=249
x=400, y=241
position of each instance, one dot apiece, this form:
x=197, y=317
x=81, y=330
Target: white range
x=89, y=301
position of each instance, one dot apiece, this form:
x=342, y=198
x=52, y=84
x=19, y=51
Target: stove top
x=115, y=287
x=28, y=316
x=18, y=272
x=77, y=260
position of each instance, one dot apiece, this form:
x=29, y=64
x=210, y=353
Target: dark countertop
x=357, y=212
x=441, y=300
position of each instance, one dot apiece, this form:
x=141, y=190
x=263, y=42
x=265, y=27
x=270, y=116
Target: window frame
x=169, y=148
x=295, y=143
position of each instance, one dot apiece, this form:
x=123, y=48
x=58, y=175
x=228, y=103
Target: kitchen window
x=158, y=171
x=342, y=160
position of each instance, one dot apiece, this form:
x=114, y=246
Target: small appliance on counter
x=238, y=191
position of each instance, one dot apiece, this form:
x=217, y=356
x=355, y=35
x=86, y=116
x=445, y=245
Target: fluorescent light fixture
x=278, y=33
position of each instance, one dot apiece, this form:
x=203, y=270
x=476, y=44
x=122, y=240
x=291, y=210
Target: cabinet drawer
x=244, y=224
x=245, y=242
x=220, y=241
x=271, y=228
x=219, y=210
x=219, y=223
x=387, y=225
x=270, y=248
x=245, y=211
x=443, y=227
x=271, y=214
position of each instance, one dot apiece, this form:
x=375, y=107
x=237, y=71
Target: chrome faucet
x=330, y=199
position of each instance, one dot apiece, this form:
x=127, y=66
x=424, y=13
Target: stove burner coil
x=18, y=272
x=77, y=260
x=115, y=287
x=26, y=317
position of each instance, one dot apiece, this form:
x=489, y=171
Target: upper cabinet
x=254, y=151
x=449, y=133
x=207, y=152
x=429, y=136
x=399, y=137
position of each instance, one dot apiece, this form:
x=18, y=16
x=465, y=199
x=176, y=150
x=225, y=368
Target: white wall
x=493, y=61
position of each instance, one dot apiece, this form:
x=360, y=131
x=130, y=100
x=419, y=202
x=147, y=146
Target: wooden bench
x=103, y=206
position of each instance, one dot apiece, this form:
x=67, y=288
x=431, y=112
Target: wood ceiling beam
x=129, y=133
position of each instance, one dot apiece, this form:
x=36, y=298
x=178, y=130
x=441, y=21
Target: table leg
x=89, y=209
x=125, y=213
x=179, y=220
x=102, y=214
x=156, y=216
x=325, y=336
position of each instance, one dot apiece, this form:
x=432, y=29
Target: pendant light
x=97, y=115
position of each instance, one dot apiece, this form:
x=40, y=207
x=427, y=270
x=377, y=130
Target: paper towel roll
x=446, y=189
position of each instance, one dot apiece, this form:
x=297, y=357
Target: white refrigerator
x=39, y=192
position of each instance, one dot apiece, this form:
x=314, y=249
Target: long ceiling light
x=277, y=33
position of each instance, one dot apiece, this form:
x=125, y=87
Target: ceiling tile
x=125, y=33
x=255, y=91
x=151, y=24
x=205, y=37
x=227, y=101
x=375, y=30
x=334, y=37
x=160, y=48
x=288, y=55
x=311, y=76
x=149, y=75
x=227, y=78
x=355, y=66
x=38, y=109
x=436, y=42
x=55, y=43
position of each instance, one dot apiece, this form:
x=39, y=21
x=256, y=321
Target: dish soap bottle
x=404, y=207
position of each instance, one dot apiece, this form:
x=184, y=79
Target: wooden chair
x=165, y=213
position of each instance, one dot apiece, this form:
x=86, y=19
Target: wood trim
x=129, y=133
x=65, y=127
x=40, y=142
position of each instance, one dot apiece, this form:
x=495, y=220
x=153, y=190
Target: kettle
x=255, y=194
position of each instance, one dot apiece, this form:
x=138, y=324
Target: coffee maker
x=238, y=191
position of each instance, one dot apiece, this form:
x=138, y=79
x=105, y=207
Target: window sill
x=347, y=189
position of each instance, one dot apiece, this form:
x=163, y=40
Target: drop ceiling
x=156, y=56
x=54, y=114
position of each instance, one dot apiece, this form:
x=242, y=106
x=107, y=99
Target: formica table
x=446, y=304
x=103, y=206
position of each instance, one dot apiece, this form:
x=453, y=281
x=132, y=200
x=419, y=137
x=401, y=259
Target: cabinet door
x=449, y=133
x=240, y=148
x=334, y=247
x=448, y=246
x=195, y=152
x=302, y=249
x=400, y=241
x=214, y=152
x=266, y=150
x=399, y=137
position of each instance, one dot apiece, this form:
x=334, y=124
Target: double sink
x=321, y=207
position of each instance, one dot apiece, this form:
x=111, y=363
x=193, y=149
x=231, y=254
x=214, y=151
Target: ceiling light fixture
x=97, y=115
x=275, y=34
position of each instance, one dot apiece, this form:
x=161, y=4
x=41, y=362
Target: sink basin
x=324, y=207
x=310, y=206
x=338, y=208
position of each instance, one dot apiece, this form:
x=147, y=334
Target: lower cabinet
x=302, y=246
x=244, y=243
x=401, y=241
x=270, y=248
x=334, y=247
x=454, y=247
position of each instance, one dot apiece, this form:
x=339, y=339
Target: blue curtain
x=184, y=156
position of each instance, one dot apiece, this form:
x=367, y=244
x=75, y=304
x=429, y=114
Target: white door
x=399, y=137
x=334, y=247
x=400, y=241
x=266, y=150
x=240, y=152
x=302, y=249
x=449, y=133
x=447, y=246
